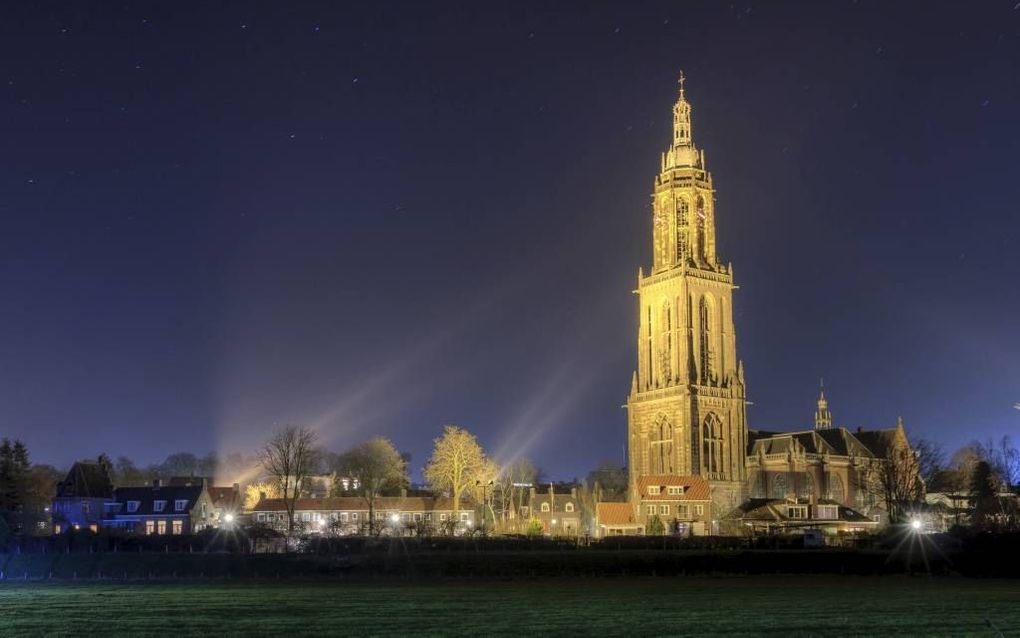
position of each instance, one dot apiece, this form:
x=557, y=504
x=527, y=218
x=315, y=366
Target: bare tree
x=457, y=462
x=931, y=460
x=899, y=481
x=376, y=465
x=289, y=457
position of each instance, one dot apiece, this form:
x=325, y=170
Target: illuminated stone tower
x=686, y=410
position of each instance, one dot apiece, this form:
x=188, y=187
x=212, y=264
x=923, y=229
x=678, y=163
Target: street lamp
x=916, y=525
x=485, y=501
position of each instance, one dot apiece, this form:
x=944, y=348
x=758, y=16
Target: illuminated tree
x=290, y=457
x=376, y=465
x=457, y=462
x=655, y=526
x=254, y=493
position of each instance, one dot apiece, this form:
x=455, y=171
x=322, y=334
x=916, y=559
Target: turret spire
x=823, y=418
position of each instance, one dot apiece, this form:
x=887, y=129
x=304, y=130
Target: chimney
x=157, y=483
x=573, y=492
x=403, y=492
x=532, y=490
x=237, y=487
x=262, y=496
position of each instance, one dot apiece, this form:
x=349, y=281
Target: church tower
x=686, y=409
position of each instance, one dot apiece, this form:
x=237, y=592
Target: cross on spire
x=680, y=81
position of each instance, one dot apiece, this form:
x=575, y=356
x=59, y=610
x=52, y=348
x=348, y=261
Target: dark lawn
x=781, y=605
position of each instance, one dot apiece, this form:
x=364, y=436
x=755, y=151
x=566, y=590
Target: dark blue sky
x=221, y=218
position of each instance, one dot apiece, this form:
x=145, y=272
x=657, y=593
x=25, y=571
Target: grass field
x=781, y=605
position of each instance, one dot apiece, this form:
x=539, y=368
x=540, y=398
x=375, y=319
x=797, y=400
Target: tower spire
x=823, y=418
x=681, y=152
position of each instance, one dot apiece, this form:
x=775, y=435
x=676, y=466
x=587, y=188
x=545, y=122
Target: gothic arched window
x=700, y=224
x=695, y=449
x=682, y=249
x=779, y=485
x=712, y=446
x=705, y=323
x=836, y=491
x=661, y=452
x=666, y=344
x=805, y=485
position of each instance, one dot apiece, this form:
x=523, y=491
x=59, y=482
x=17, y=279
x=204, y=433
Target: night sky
x=219, y=218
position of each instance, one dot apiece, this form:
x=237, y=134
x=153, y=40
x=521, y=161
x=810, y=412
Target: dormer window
x=569, y=507
x=545, y=507
x=180, y=504
x=158, y=506
x=132, y=506
x=675, y=490
x=653, y=490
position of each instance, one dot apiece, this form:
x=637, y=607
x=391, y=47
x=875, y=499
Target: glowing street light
x=916, y=525
x=228, y=518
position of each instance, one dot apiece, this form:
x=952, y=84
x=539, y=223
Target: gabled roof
x=775, y=510
x=86, y=480
x=696, y=488
x=833, y=441
x=615, y=514
x=878, y=441
x=147, y=496
x=225, y=497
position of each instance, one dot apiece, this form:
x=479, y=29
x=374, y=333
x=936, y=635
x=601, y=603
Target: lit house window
x=132, y=506
x=180, y=504
x=178, y=527
x=829, y=512
x=569, y=507
x=653, y=489
x=161, y=527
x=150, y=527
x=545, y=507
x=796, y=512
x=158, y=506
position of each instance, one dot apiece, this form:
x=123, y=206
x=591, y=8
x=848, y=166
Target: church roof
x=833, y=441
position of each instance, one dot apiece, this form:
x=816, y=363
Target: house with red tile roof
x=682, y=503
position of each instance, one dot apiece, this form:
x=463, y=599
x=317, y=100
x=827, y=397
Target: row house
x=347, y=515
x=161, y=509
x=87, y=500
x=616, y=519
x=80, y=498
x=782, y=516
x=682, y=503
x=558, y=509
